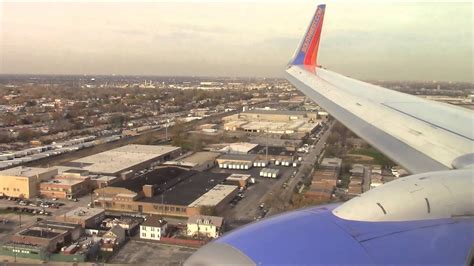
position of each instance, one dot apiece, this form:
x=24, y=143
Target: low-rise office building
x=240, y=180
x=65, y=187
x=86, y=217
x=23, y=182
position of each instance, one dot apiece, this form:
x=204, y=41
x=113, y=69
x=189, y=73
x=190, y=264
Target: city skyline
x=408, y=42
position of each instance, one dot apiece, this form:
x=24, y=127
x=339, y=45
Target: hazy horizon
x=370, y=41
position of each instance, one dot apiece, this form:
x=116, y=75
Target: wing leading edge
x=418, y=134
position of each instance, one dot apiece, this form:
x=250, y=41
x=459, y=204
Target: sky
x=365, y=40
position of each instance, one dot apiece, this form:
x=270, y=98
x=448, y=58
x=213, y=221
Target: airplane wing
x=419, y=134
x=425, y=218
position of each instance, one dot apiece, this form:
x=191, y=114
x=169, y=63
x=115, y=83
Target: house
x=129, y=224
x=113, y=238
x=206, y=226
x=153, y=228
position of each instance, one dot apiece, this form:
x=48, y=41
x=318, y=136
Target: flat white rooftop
x=64, y=181
x=214, y=196
x=84, y=213
x=238, y=177
x=200, y=157
x=25, y=171
x=120, y=159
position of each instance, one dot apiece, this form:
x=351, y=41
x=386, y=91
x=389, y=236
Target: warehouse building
x=216, y=198
x=275, y=115
x=199, y=161
x=273, y=121
x=23, y=182
x=126, y=159
x=166, y=191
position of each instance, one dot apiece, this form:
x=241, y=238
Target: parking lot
x=248, y=208
x=139, y=252
x=17, y=213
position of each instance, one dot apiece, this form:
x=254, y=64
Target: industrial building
x=236, y=161
x=126, y=159
x=23, y=182
x=85, y=217
x=167, y=191
x=199, y=161
x=276, y=115
x=46, y=236
x=272, y=121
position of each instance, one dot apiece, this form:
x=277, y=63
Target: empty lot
x=141, y=252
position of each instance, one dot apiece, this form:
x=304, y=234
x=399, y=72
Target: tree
x=178, y=132
x=333, y=138
x=4, y=137
x=333, y=151
x=117, y=120
x=196, y=143
x=26, y=134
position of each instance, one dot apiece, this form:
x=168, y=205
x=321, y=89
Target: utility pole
x=266, y=148
x=166, y=129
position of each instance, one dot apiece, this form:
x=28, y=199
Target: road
x=247, y=209
x=284, y=195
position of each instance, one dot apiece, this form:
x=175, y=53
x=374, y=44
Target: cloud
x=367, y=40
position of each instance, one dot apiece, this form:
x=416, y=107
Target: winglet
x=307, y=53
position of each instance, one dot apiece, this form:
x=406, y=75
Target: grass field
x=378, y=157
